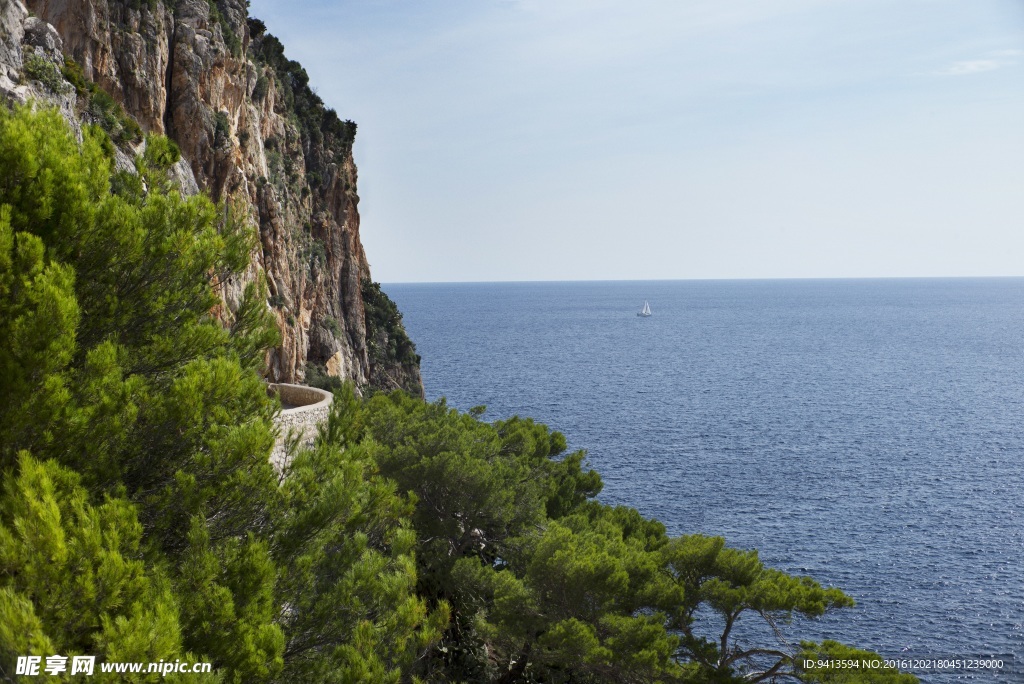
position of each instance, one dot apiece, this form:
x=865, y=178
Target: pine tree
x=141, y=518
x=74, y=579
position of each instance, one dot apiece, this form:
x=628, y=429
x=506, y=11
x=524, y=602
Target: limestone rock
x=41, y=35
x=12, y=29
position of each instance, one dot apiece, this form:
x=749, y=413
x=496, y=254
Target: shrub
x=161, y=152
x=101, y=107
x=38, y=68
x=259, y=91
x=139, y=4
x=387, y=338
x=256, y=27
x=73, y=73
x=231, y=39
x=332, y=324
x=316, y=376
x=221, y=129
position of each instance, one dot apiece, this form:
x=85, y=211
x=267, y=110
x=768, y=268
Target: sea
x=866, y=433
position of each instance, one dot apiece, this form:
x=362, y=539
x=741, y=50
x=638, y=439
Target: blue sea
x=868, y=433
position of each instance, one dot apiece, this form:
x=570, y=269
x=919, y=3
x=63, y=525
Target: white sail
x=646, y=311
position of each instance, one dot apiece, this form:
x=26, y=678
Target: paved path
x=303, y=409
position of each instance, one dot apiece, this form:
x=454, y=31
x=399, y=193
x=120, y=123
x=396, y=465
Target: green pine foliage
x=76, y=583
x=546, y=584
x=735, y=584
x=141, y=520
x=347, y=556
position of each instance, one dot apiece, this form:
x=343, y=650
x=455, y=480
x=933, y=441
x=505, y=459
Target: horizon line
x=694, y=280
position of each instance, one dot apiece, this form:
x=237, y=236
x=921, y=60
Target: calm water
x=867, y=433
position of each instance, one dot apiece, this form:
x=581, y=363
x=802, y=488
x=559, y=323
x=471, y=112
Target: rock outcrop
x=251, y=132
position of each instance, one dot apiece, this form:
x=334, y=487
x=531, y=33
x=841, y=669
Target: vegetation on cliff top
x=315, y=119
x=140, y=519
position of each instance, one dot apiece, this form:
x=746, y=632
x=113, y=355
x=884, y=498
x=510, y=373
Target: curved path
x=303, y=409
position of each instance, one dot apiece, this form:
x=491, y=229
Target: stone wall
x=307, y=408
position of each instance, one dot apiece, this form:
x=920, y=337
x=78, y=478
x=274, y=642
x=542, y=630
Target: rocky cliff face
x=251, y=132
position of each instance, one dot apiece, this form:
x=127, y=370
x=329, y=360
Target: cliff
x=251, y=133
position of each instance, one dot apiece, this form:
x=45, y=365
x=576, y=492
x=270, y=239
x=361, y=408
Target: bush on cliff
x=384, y=328
x=317, y=122
x=98, y=105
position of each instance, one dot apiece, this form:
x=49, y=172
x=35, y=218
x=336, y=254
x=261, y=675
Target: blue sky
x=664, y=139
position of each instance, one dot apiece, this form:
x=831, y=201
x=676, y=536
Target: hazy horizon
x=519, y=140
x=695, y=280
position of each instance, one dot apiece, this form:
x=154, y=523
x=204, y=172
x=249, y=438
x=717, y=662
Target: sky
x=675, y=139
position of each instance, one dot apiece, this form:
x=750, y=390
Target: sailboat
x=646, y=311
